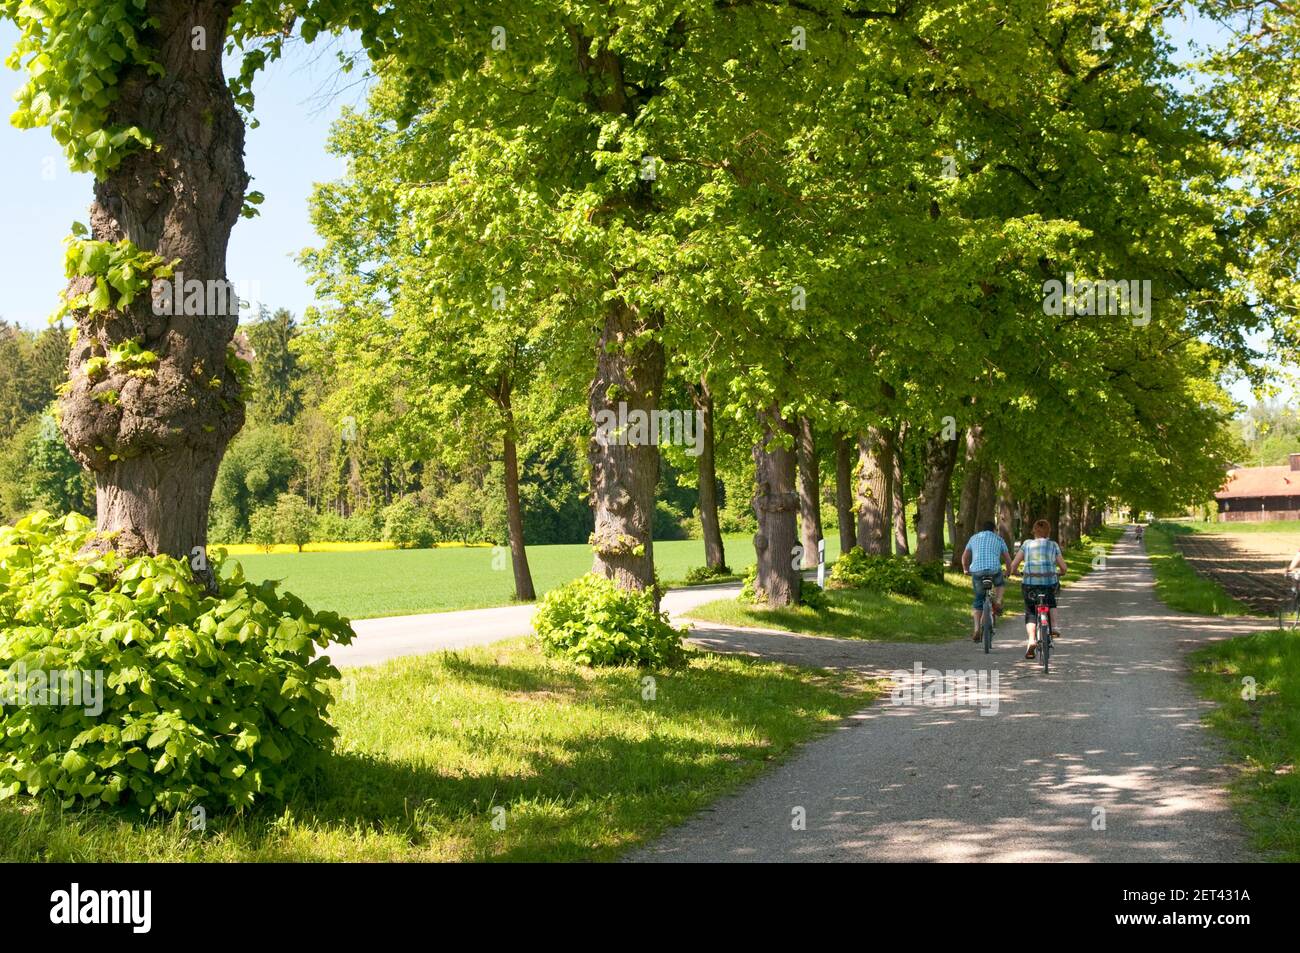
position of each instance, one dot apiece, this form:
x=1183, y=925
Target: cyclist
x=1042, y=559
x=986, y=553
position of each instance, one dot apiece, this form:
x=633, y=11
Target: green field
x=573, y=764
x=368, y=585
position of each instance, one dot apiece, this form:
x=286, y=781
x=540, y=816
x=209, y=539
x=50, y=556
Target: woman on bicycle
x=1042, y=560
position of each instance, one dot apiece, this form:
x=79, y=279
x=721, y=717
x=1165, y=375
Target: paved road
x=1115, y=727
x=381, y=639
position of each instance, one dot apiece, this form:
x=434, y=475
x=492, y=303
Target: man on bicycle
x=985, y=555
x=1042, y=559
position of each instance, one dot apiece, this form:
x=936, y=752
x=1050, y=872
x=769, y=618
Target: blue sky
x=297, y=99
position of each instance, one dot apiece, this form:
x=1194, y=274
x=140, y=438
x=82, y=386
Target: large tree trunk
x=715, y=556
x=154, y=442
x=1005, y=508
x=810, y=503
x=524, y=590
x=1068, y=531
x=987, y=510
x=968, y=509
x=630, y=370
x=952, y=518
x=1054, y=515
x=844, y=492
x=899, y=495
x=875, y=474
x=940, y=456
x=775, y=504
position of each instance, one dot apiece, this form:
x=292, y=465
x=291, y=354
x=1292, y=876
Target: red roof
x=1260, y=481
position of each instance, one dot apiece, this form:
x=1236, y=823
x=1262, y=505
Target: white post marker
x=821, y=563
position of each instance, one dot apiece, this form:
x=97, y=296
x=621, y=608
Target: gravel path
x=1104, y=759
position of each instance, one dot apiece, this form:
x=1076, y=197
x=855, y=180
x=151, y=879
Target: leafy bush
x=592, y=621
x=931, y=571
x=702, y=574
x=812, y=595
x=206, y=699
x=407, y=525
x=669, y=522
x=880, y=573
x=749, y=585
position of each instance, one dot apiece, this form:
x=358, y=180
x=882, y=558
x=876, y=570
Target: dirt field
x=1248, y=565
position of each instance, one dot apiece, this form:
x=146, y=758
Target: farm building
x=1261, y=493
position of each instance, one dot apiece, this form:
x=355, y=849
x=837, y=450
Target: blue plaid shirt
x=986, y=551
x=1039, y=567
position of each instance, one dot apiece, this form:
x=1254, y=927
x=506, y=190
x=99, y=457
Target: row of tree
x=825, y=223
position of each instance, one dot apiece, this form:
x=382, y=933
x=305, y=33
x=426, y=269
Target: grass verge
x=1180, y=586
x=1263, y=734
x=580, y=763
x=942, y=614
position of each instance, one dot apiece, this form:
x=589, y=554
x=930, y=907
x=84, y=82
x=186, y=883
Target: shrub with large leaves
x=592, y=621
x=212, y=700
x=880, y=573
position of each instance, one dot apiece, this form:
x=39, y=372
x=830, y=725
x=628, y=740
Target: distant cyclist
x=985, y=555
x=1043, y=562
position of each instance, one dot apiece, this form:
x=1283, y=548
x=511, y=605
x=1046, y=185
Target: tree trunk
x=952, y=519
x=1005, y=508
x=715, y=556
x=875, y=473
x=524, y=590
x=154, y=442
x=624, y=469
x=968, y=509
x=899, y=493
x=987, y=510
x=940, y=456
x=1054, y=515
x=776, y=504
x=810, y=503
x=844, y=492
x=1067, y=536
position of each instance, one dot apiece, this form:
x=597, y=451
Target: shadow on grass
x=583, y=770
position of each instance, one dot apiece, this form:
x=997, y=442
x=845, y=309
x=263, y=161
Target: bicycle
x=1288, y=611
x=1042, y=629
x=986, y=620
x=1139, y=534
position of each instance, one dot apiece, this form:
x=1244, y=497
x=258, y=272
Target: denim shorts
x=977, y=582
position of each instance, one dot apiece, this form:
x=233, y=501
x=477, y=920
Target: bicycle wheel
x=988, y=627
x=1046, y=639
